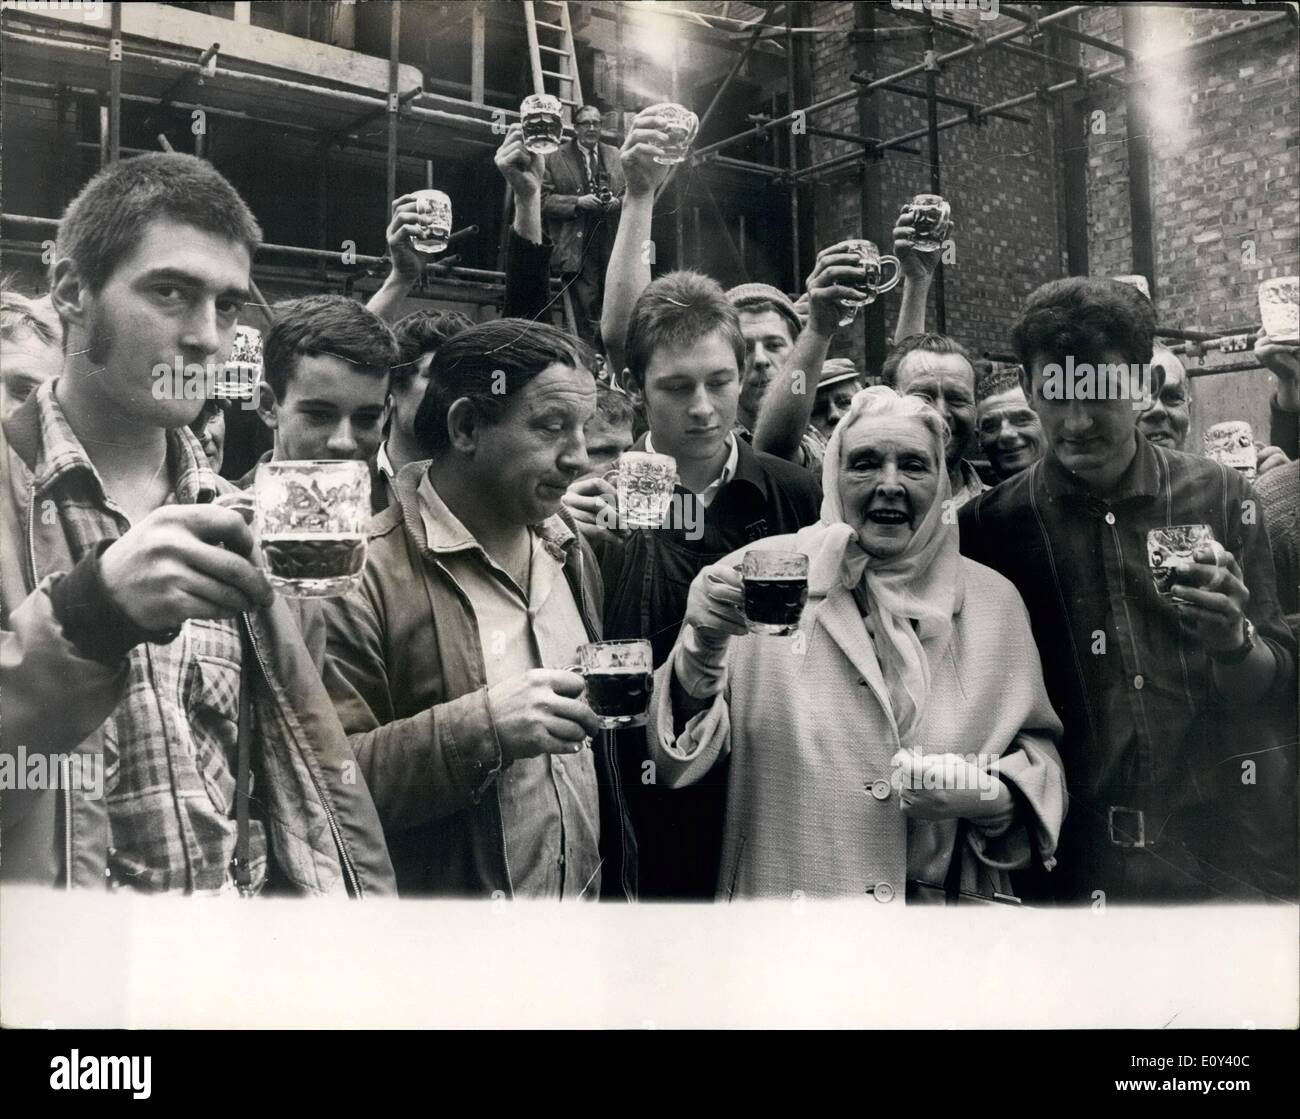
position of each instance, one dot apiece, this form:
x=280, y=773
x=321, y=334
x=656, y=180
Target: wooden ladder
x=559, y=31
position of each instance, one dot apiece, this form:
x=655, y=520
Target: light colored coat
x=808, y=724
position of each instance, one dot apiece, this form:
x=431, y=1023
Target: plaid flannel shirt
x=170, y=744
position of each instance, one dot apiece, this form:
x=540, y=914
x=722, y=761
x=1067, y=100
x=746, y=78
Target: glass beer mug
x=308, y=519
x=433, y=209
x=871, y=285
x=541, y=116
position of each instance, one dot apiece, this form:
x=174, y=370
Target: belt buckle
x=1119, y=839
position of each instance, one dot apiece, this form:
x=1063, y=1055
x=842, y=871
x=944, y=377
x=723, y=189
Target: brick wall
x=1224, y=169
x=1000, y=177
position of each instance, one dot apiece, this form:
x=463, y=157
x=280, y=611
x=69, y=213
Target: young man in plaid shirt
x=133, y=615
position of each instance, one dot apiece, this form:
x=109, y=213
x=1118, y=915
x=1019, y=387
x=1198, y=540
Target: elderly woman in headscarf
x=901, y=743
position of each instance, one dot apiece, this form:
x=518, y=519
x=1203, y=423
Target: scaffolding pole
x=794, y=152
x=394, y=100
x=932, y=147
x=908, y=72
x=115, y=84
x=1081, y=80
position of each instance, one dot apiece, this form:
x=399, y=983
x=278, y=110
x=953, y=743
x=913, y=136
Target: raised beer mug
x=776, y=588
x=1171, y=547
x=308, y=519
x=433, y=210
x=681, y=125
x=541, y=116
x=1279, y=308
x=1232, y=443
x=871, y=285
x=931, y=218
x=644, y=485
x=619, y=677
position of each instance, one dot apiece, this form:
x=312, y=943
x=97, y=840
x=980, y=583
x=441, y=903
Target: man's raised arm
x=788, y=405
x=628, y=273
x=918, y=273
x=407, y=263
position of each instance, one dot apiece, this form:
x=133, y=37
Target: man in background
x=582, y=193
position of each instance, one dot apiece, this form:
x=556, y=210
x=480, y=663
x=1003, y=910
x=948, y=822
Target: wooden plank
x=181, y=27
x=478, y=51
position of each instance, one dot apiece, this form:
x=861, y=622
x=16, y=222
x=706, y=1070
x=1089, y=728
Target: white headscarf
x=923, y=584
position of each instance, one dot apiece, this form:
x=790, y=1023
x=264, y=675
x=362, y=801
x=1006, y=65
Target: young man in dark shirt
x=1181, y=771
x=679, y=343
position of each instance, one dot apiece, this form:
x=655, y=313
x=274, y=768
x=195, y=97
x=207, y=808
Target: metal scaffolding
x=1031, y=25
x=343, y=113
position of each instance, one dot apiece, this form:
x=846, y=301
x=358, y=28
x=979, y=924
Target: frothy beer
x=931, y=219
x=617, y=680
x=680, y=125
x=1171, y=548
x=775, y=588
x=433, y=209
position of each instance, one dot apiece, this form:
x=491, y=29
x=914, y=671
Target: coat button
x=880, y=789
x=1138, y=682
x=1110, y=518
x=883, y=892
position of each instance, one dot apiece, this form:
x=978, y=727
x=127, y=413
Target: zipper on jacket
x=606, y=736
x=345, y=859
x=31, y=535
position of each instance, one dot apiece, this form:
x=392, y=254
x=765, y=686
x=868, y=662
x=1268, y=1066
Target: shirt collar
x=972, y=485
x=1139, y=482
x=384, y=463
x=728, y=468
x=444, y=531
x=62, y=456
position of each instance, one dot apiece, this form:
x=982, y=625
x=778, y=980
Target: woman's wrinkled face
x=889, y=476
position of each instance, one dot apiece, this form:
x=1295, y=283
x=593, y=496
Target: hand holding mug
x=836, y=268
x=1211, y=591
x=715, y=603
x=181, y=562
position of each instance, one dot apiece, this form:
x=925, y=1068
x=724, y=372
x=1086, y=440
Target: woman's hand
x=715, y=604
x=948, y=787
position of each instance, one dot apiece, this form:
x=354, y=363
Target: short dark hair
x=422, y=332
x=488, y=364
x=588, y=109
x=1085, y=317
x=930, y=343
x=325, y=324
x=104, y=223
x=677, y=310
x=613, y=407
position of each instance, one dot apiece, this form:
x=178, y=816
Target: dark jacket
x=322, y=829
x=647, y=580
x=1116, y=655
x=528, y=277
x=405, y=670
x=562, y=185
